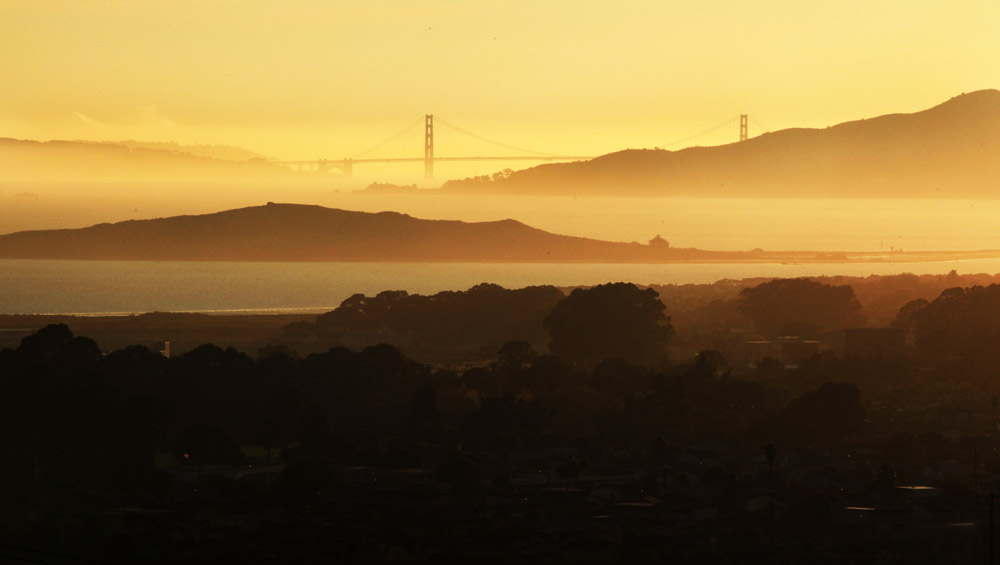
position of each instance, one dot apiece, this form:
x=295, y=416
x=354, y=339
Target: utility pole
x=744, y=129
x=429, y=146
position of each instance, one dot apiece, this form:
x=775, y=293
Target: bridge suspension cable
x=490, y=141
x=400, y=144
x=712, y=129
x=388, y=140
x=760, y=125
x=743, y=119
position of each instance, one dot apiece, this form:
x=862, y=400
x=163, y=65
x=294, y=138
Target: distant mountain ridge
x=950, y=150
x=58, y=160
x=294, y=232
x=222, y=152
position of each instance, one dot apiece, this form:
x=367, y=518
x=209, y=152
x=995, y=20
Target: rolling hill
x=73, y=161
x=293, y=232
x=951, y=150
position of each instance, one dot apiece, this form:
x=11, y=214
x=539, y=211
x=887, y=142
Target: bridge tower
x=744, y=130
x=429, y=146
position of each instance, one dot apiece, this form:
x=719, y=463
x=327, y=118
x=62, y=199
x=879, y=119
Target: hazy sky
x=328, y=78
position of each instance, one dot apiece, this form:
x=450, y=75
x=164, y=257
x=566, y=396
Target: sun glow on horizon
x=311, y=79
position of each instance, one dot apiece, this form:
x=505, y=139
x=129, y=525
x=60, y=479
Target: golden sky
x=302, y=79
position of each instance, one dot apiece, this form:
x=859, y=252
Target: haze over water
x=313, y=80
x=248, y=314
x=708, y=223
x=95, y=287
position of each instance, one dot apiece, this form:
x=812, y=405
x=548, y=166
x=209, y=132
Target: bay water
x=101, y=287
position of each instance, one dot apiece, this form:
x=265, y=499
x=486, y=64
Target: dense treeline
x=880, y=296
x=85, y=432
x=961, y=325
x=713, y=315
x=83, y=420
x=484, y=314
x=470, y=325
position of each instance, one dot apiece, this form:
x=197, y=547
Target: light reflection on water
x=45, y=286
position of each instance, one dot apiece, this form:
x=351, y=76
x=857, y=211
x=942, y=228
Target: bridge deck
x=419, y=159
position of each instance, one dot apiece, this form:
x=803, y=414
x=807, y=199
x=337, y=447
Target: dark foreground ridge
x=598, y=446
x=948, y=151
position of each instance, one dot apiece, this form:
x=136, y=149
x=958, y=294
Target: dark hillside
x=946, y=151
x=291, y=232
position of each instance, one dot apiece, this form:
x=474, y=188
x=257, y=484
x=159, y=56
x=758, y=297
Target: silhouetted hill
x=947, y=151
x=223, y=152
x=291, y=232
x=81, y=160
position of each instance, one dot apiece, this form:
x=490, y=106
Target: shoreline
x=698, y=256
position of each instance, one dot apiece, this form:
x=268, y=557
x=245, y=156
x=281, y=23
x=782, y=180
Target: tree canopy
x=486, y=313
x=831, y=411
x=800, y=307
x=960, y=323
x=615, y=320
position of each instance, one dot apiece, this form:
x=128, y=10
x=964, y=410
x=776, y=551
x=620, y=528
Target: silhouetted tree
x=304, y=478
x=313, y=433
x=463, y=475
x=515, y=354
x=484, y=314
x=615, y=320
x=770, y=453
x=161, y=484
x=769, y=368
x=800, y=307
x=906, y=318
x=268, y=431
x=831, y=411
x=886, y=484
x=619, y=377
x=206, y=444
x=545, y=373
x=959, y=323
x=816, y=509
x=570, y=469
x=56, y=343
x=424, y=421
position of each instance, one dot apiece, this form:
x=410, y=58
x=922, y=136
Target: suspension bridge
x=484, y=149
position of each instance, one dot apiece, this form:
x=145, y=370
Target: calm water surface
x=90, y=287
x=849, y=224
x=733, y=224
